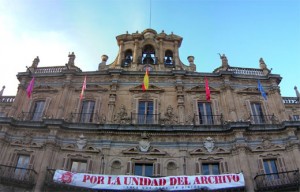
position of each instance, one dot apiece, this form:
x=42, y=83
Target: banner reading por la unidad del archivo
x=132, y=182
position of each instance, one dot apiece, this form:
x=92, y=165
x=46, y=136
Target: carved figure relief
x=144, y=145
x=170, y=117
x=122, y=117
x=209, y=144
x=81, y=142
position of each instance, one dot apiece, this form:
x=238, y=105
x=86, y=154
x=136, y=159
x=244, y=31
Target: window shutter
x=30, y=166
x=195, y=115
x=260, y=166
x=156, y=169
x=65, y=164
x=216, y=110
x=281, y=164
x=47, y=103
x=129, y=168
x=90, y=166
x=12, y=161
x=224, y=167
x=156, y=113
x=197, y=168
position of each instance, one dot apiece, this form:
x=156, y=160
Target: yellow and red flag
x=145, y=84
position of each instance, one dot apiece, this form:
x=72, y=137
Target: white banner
x=132, y=182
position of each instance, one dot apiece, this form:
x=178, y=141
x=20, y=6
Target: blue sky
x=244, y=30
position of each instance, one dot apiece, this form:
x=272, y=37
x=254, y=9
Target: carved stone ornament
x=81, y=142
x=122, y=116
x=144, y=145
x=209, y=144
x=170, y=118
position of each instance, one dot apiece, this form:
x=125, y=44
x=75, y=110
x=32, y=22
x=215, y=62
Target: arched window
x=116, y=168
x=128, y=58
x=169, y=60
x=171, y=169
x=148, y=55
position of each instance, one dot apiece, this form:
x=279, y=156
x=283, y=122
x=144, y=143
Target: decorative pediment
x=248, y=90
x=198, y=151
x=136, y=150
x=44, y=88
x=199, y=88
x=133, y=150
x=152, y=88
x=267, y=145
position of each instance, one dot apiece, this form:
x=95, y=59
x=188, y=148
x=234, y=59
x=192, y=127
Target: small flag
x=207, y=90
x=261, y=89
x=30, y=87
x=145, y=84
x=83, y=88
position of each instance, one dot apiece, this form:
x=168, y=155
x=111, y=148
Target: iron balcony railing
x=31, y=116
x=283, y=181
x=17, y=176
x=7, y=99
x=246, y=71
x=84, y=117
x=169, y=63
x=138, y=118
x=148, y=60
x=290, y=100
x=263, y=119
x=208, y=119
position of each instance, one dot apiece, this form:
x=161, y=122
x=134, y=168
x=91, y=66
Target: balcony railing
x=283, y=181
x=31, y=116
x=208, y=119
x=57, y=69
x=16, y=176
x=246, y=71
x=290, y=100
x=85, y=117
x=137, y=118
x=148, y=60
x=263, y=119
x=7, y=99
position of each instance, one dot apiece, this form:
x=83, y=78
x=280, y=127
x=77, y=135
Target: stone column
x=135, y=52
x=176, y=57
x=64, y=96
x=161, y=53
x=120, y=55
x=46, y=159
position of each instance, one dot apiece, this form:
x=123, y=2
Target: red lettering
x=197, y=181
x=173, y=181
x=135, y=181
x=204, y=180
x=218, y=179
x=209, y=180
x=109, y=180
x=162, y=182
x=155, y=183
x=118, y=182
x=147, y=181
x=229, y=178
x=236, y=178
x=186, y=181
x=126, y=182
x=86, y=177
x=93, y=179
x=100, y=180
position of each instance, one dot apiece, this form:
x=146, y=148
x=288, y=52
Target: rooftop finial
x=297, y=92
x=1, y=92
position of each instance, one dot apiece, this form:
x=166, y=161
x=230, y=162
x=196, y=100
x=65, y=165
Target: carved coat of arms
x=209, y=144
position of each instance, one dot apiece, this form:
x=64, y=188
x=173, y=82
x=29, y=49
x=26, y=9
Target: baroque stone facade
x=169, y=129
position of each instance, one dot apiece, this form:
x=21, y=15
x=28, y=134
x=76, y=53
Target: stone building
x=171, y=129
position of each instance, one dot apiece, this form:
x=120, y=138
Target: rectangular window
x=143, y=169
x=22, y=165
x=78, y=166
x=210, y=169
x=257, y=113
x=145, y=112
x=271, y=168
x=38, y=111
x=205, y=113
x=87, y=111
